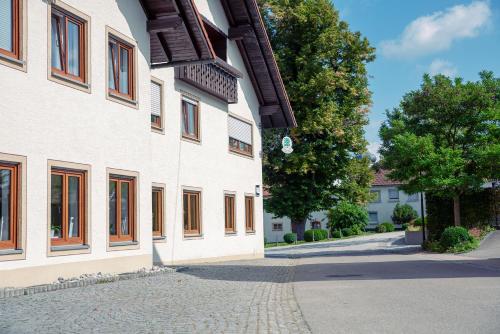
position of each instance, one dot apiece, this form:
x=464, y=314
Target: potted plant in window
x=55, y=232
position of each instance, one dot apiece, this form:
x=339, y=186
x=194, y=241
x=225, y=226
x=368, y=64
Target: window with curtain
x=9, y=28
x=121, y=208
x=67, y=207
x=67, y=45
x=120, y=68
x=8, y=205
x=240, y=136
x=156, y=104
x=191, y=201
x=229, y=209
x=158, y=214
x=249, y=214
x=190, y=119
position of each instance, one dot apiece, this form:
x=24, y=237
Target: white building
x=387, y=195
x=131, y=134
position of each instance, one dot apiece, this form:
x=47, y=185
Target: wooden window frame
x=16, y=32
x=248, y=151
x=230, y=213
x=197, y=194
x=65, y=239
x=185, y=119
x=119, y=179
x=249, y=214
x=12, y=243
x=160, y=193
x=116, y=73
x=60, y=13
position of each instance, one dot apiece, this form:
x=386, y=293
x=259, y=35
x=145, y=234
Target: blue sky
x=456, y=38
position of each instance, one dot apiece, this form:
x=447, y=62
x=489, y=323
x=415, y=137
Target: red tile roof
x=381, y=179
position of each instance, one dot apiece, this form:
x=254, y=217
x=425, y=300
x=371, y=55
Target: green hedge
x=317, y=234
x=454, y=236
x=347, y=232
x=290, y=238
x=336, y=234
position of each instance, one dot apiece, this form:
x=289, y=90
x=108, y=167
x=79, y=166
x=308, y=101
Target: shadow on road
x=386, y=270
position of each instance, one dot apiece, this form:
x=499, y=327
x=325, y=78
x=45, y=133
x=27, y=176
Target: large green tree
x=444, y=137
x=323, y=65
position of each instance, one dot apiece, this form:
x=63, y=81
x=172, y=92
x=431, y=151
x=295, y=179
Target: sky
x=452, y=37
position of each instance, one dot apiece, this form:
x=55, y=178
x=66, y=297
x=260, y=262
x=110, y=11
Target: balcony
x=218, y=79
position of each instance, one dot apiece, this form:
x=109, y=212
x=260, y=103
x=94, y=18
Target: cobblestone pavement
x=233, y=297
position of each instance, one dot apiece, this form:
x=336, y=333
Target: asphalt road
x=375, y=284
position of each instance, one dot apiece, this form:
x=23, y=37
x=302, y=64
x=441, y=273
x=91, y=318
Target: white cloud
x=373, y=149
x=437, y=32
x=439, y=66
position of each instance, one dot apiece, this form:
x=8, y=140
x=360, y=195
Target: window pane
x=73, y=206
x=156, y=225
x=6, y=25
x=186, y=213
x=73, y=49
x=124, y=71
x=112, y=207
x=194, y=212
x=56, y=206
x=5, y=187
x=125, y=208
x=56, y=44
x=112, y=65
x=191, y=117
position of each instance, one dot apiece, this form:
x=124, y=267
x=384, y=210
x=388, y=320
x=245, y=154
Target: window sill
x=231, y=234
x=393, y=200
x=157, y=129
x=193, y=237
x=159, y=239
x=250, y=232
x=241, y=154
x=191, y=140
x=62, y=79
x=123, y=243
x=123, y=100
x=10, y=252
x=68, y=248
x=12, y=60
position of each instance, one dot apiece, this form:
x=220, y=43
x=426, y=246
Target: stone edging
x=82, y=282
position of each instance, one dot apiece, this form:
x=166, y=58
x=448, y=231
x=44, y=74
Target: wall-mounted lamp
x=257, y=190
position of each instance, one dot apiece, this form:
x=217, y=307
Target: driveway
x=375, y=284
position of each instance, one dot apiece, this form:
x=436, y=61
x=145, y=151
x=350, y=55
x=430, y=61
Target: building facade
x=131, y=134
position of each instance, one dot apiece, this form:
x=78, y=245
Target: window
x=192, y=215
x=394, y=194
x=9, y=189
x=315, y=225
x=413, y=198
x=277, y=226
x=67, y=45
x=376, y=196
x=373, y=216
x=158, y=215
x=240, y=136
x=217, y=39
x=120, y=68
x=229, y=209
x=67, y=207
x=190, y=119
x=121, y=208
x=156, y=104
x=10, y=28
x=249, y=214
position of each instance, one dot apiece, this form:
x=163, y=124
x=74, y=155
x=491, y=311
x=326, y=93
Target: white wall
x=43, y=120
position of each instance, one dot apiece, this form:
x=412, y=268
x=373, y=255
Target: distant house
x=387, y=196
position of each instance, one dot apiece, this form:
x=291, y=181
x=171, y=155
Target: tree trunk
x=456, y=210
x=299, y=227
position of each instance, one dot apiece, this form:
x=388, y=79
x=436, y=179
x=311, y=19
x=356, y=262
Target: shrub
x=318, y=235
x=454, y=236
x=381, y=229
x=347, y=232
x=403, y=214
x=405, y=226
x=290, y=238
x=389, y=227
x=336, y=234
x=348, y=215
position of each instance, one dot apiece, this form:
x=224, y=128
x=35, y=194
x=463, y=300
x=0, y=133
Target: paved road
x=372, y=284
x=375, y=285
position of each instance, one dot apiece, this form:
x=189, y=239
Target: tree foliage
x=444, y=137
x=348, y=215
x=323, y=65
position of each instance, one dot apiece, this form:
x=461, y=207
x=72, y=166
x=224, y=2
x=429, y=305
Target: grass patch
x=280, y=244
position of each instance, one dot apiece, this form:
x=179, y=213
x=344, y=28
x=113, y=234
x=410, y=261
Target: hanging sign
x=287, y=145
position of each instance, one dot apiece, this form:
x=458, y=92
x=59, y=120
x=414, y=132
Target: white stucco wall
x=43, y=120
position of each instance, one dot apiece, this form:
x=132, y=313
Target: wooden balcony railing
x=218, y=79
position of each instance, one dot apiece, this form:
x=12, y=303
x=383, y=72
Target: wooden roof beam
x=164, y=23
x=268, y=110
x=239, y=32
